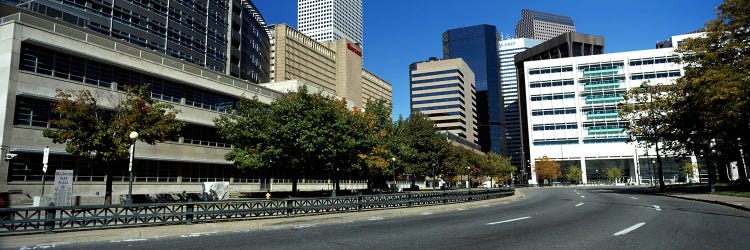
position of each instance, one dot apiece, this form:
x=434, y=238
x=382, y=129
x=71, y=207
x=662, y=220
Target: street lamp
x=393, y=162
x=133, y=136
x=468, y=178
x=597, y=177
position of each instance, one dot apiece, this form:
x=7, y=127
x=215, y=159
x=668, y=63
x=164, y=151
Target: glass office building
x=226, y=36
x=477, y=46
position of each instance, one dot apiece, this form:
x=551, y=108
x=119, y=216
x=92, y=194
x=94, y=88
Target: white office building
x=573, y=115
x=507, y=49
x=328, y=20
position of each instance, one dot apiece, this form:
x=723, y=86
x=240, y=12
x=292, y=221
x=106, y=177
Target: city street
x=574, y=218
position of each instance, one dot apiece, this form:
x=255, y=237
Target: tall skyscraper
x=543, y=26
x=507, y=49
x=443, y=90
x=477, y=46
x=226, y=36
x=328, y=20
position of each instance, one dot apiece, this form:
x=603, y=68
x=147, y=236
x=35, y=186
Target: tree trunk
x=660, y=169
x=294, y=186
x=108, y=183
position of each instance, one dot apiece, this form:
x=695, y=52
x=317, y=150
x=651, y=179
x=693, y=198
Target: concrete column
x=533, y=180
x=10, y=49
x=583, y=171
x=637, y=168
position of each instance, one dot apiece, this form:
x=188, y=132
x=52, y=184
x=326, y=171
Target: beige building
x=444, y=91
x=335, y=66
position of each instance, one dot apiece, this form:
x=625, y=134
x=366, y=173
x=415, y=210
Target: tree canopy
x=91, y=131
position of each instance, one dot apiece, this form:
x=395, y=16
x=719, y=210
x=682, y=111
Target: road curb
x=740, y=207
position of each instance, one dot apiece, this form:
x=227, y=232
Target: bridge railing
x=67, y=218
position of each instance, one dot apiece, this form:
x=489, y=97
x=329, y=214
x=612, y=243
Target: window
x=32, y=112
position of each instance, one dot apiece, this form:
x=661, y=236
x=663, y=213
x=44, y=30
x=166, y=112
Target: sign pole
x=45, y=160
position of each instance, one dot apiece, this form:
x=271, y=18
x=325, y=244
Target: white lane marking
x=43, y=246
x=426, y=213
x=303, y=226
x=583, y=196
x=376, y=218
x=633, y=198
x=631, y=228
x=127, y=240
x=498, y=222
x=196, y=235
x=656, y=207
x=579, y=204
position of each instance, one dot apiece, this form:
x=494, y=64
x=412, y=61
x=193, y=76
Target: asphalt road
x=585, y=218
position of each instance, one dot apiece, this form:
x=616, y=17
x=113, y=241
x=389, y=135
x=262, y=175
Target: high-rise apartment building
x=507, y=49
x=335, y=66
x=226, y=36
x=570, y=44
x=542, y=26
x=443, y=90
x=328, y=20
x=573, y=114
x=477, y=46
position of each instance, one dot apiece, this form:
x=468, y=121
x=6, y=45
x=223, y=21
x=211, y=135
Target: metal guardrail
x=56, y=219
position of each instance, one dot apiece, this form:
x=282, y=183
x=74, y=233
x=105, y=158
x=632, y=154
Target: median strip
x=631, y=228
x=511, y=220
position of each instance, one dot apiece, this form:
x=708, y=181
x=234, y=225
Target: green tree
x=688, y=171
x=647, y=108
x=93, y=132
x=713, y=101
x=547, y=169
x=497, y=167
x=419, y=143
x=574, y=174
x=301, y=134
x=613, y=174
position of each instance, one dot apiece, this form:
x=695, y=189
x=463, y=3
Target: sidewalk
x=140, y=233
x=741, y=203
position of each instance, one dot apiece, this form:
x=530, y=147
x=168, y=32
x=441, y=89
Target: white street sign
x=45, y=159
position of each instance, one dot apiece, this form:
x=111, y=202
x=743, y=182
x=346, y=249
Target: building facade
x=570, y=44
x=329, y=20
x=40, y=56
x=477, y=46
x=507, y=49
x=443, y=90
x=226, y=36
x=334, y=65
x=543, y=26
x=573, y=114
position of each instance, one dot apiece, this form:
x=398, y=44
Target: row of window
x=38, y=113
x=555, y=126
x=445, y=114
x=49, y=62
x=450, y=92
x=452, y=99
x=441, y=86
x=649, y=61
x=562, y=111
x=547, y=70
x=441, y=72
x=555, y=141
x=653, y=75
x=441, y=79
x=601, y=66
x=556, y=96
x=543, y=84
x=440, y=107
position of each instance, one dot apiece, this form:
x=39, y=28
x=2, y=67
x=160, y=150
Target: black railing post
x=49, y=219
x=445, y=200
x=359, y=203
x=190, y=213
x=411, y=202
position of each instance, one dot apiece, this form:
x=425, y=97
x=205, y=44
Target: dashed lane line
x=628, y=230
x=579, y=204
x=511, y=220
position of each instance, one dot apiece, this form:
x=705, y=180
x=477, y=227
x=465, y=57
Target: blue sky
x=399, y=32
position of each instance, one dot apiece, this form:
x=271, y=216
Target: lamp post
x=597, y=177
x=393, y=162
x=133, y=136
x=468, y=178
